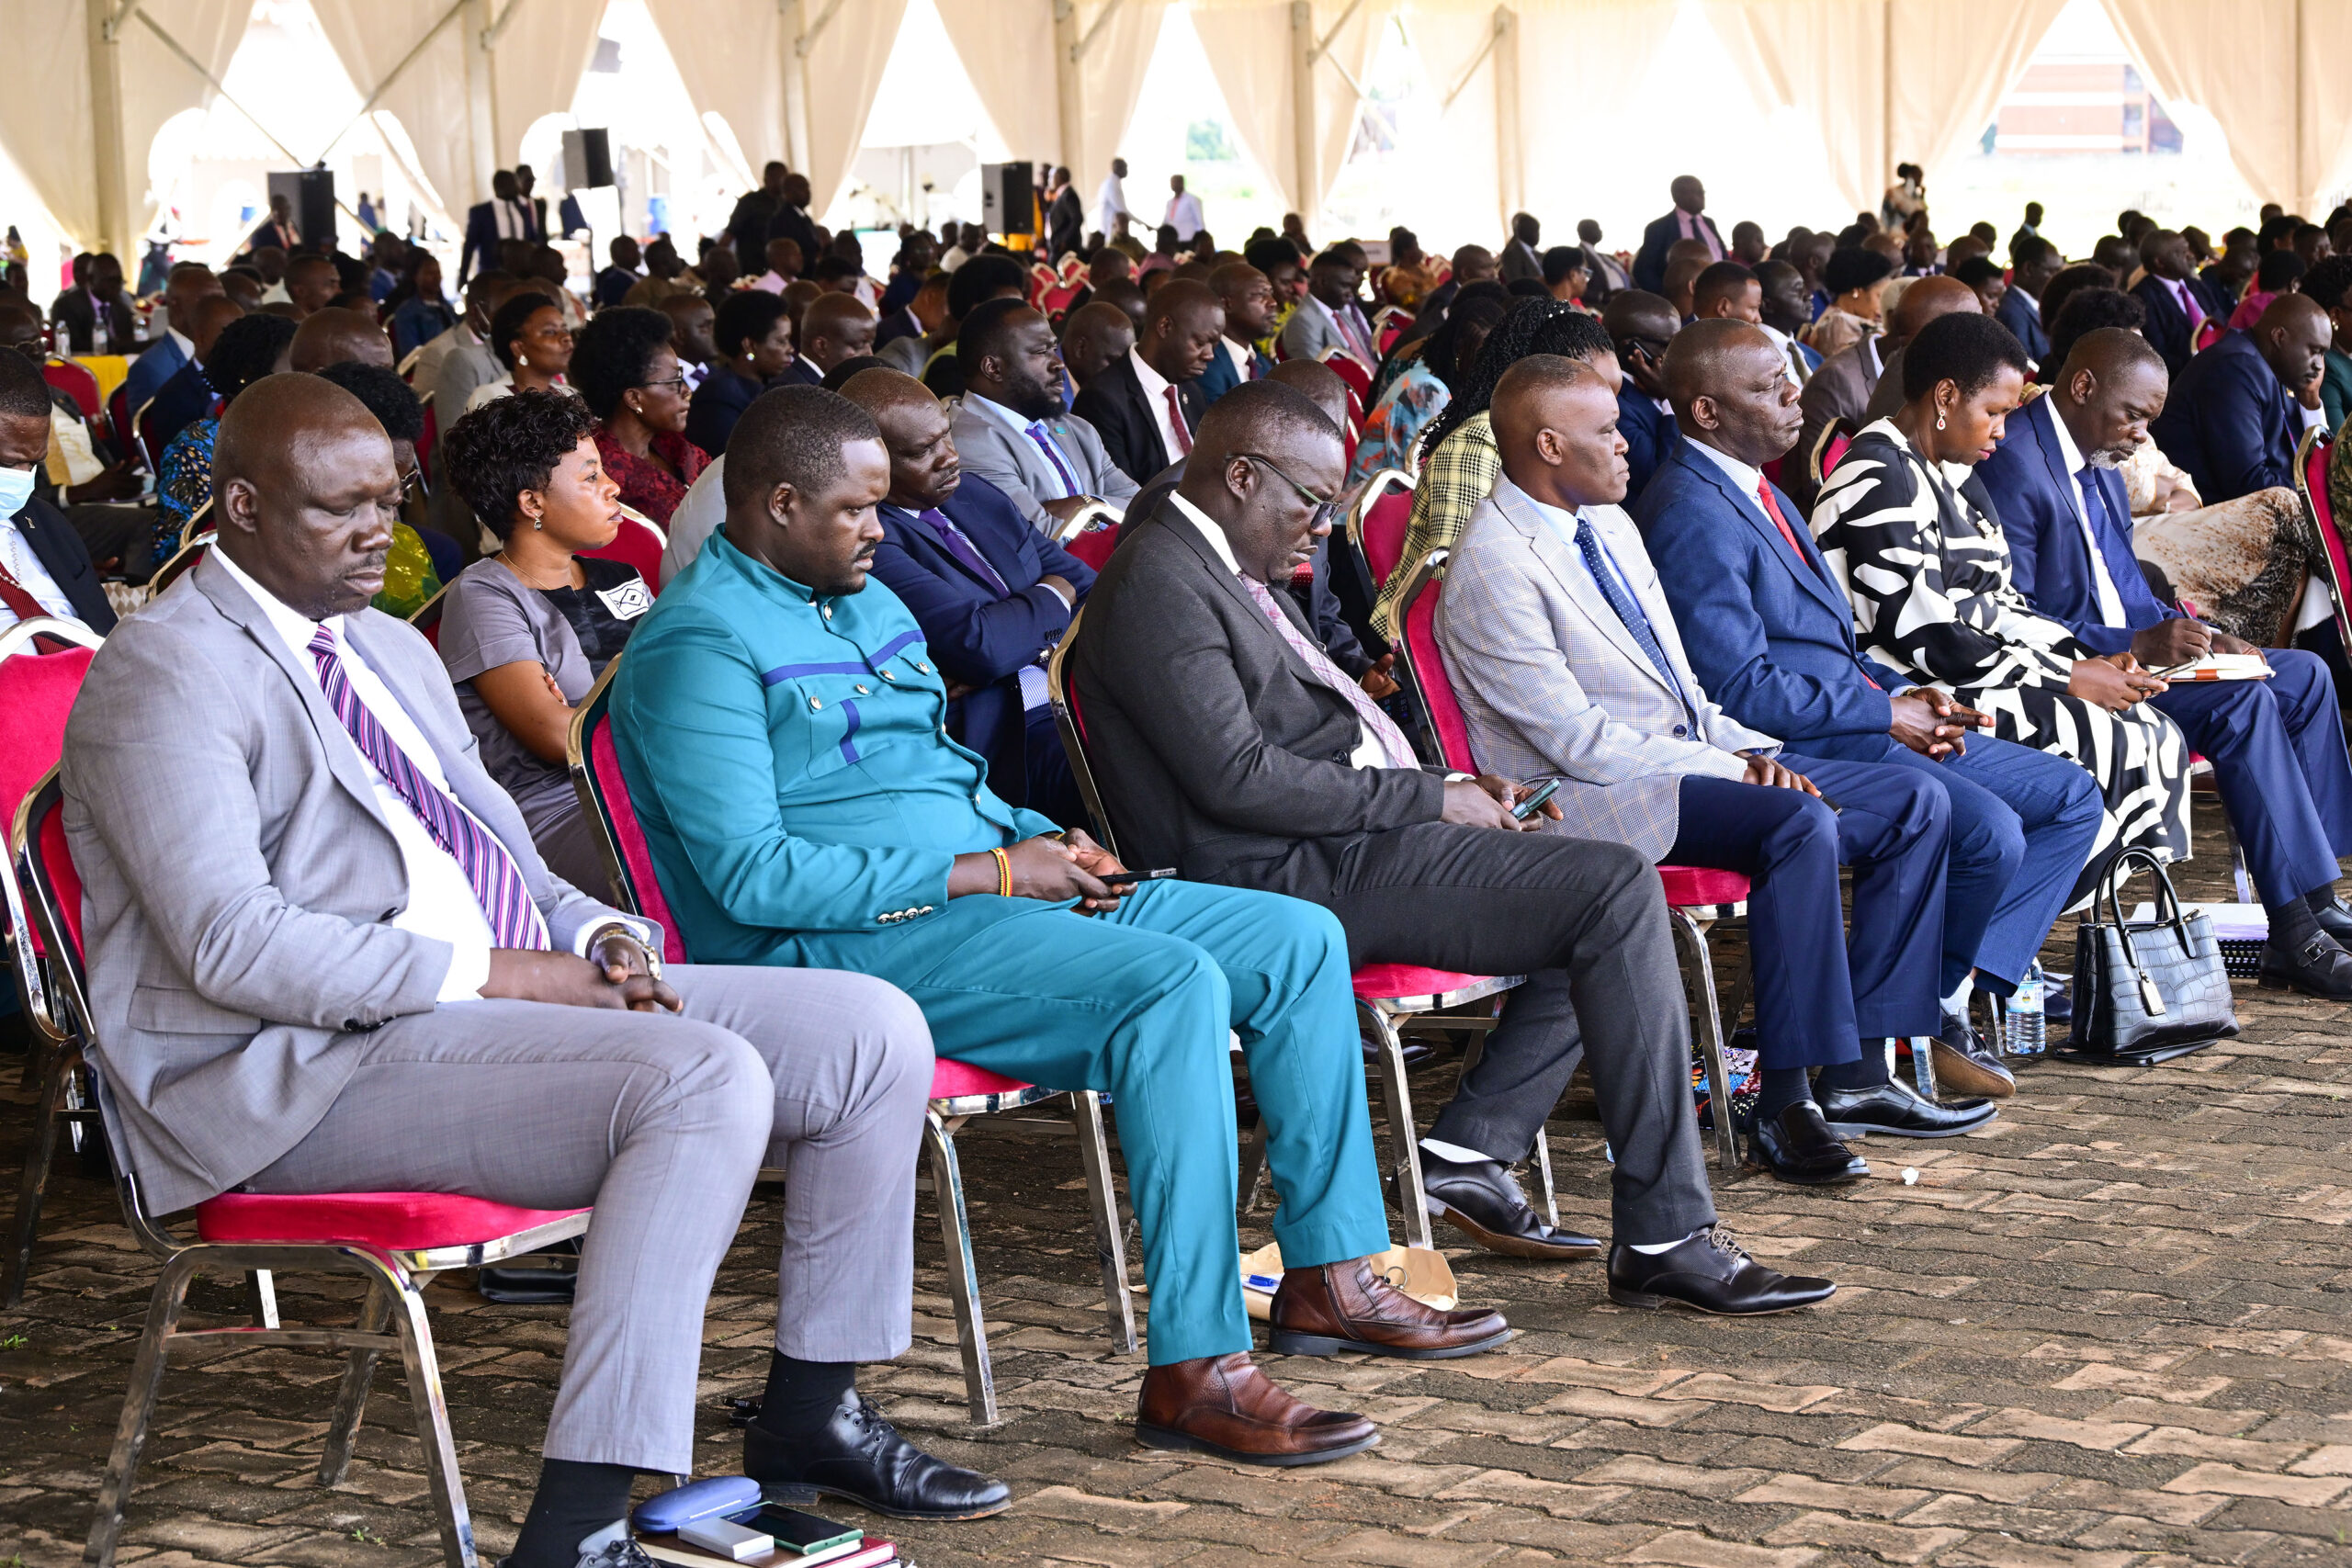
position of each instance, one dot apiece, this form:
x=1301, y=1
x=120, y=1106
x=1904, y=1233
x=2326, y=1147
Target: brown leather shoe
x=1225, y=1405
x=1966, y=1065
x=1346, y=1307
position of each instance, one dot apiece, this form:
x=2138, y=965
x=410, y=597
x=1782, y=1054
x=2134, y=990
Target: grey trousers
x=661, y=1122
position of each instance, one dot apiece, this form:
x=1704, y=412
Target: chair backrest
x=430, y=439
x=426, y=618
x=1389, y=326
x=2311, y=459
x=119, y=418
x=1376, y=526
x=1424, y=662
x=639, y=543
x=45, y=861
x=1094, y=546
x=1061, y=686
x=42, y=664
x=1827, y=448
x=180, y=566
x=1093, y=514
x=620, y=837
x=2208, y=332
x=151, y=447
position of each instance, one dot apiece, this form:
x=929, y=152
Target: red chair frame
x=2313, y=455
x=1828, y=447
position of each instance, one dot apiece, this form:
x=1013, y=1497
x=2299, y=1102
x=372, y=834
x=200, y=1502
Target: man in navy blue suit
x=1688, y=221
x=1249, y=299
x=2235, y=414
x=1641, y=325
x=2177, y=301
x=2033, y=262
x=1771, y=637
x=2276, y=746
x=991, y=593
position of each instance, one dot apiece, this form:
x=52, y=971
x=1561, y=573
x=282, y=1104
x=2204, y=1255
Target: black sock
x=802, y=1395
x=2321, y=898
x=575, y=1501
x=1780, y=1088
x=1868, y=1072
x=2292, y=924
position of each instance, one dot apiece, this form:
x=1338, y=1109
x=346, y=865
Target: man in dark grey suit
x=1230, y=747
x=324, y=957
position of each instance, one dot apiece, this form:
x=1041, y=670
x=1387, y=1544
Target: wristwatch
x=629, y=934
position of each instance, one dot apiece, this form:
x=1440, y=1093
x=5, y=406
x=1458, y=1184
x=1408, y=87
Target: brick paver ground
x=2112, y=1330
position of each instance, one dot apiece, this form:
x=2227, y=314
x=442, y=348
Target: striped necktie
x=1053, y=451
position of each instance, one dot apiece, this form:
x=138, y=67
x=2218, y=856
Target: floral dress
x=1920, y=550
x=1396, y=421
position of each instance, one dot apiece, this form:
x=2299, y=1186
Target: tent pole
x=1069, y=99
x=1510, y=158
x=1306, y=188
x=111, y=183
x=482, y=104
x=795, y=36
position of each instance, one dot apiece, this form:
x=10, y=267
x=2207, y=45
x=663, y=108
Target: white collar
x=1209, y=530
x=293, y=627
x=1155, y=385
x=2068, y=453
x=1507, y=493
x=180, y=341
x=1739, y=473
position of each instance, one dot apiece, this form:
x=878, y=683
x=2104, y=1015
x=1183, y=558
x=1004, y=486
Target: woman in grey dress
x=525, y=633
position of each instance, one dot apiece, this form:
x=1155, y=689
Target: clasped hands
x=617, y=973
x=1054, y=870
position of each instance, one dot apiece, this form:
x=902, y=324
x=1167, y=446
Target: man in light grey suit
x=1010, y=426
x=1561, y=647
x=325, y=957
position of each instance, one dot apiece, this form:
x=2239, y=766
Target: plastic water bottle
x=2021, y=1016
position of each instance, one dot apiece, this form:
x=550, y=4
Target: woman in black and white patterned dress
x=1910, y=529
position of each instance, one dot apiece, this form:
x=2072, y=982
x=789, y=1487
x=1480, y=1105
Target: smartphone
x=1127, y=878
x=1535, y=803
x=803, y=1533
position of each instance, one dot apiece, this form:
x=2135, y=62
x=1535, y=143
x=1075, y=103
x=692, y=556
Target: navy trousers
x=1816, y=994
x=2022, y=824
x=2276, y=746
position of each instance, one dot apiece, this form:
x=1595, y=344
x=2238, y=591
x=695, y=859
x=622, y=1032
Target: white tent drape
x=1456, y=50
x=2275, y=84
x=1253, y=48
x=1562, y=132
x=1007, y=48
x=536, y=67
x=1883, y=80
x=46, y=116
x=1116, y=47
x=429, y=98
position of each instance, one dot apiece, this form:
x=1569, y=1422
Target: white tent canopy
x=796, y=79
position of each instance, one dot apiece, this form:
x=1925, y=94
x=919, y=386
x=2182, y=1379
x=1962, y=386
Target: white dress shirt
x=1156, y=388
x=1739, y=473
x=1184, y=216
x=1789, y=355
x=2110, y=603
x=17, y=555
x=1241, y=356
x=1109, y=204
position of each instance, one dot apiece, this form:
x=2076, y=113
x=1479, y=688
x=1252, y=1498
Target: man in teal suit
x=780, y=723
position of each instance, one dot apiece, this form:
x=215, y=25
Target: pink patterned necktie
x=497, y=881
x=1393, y=744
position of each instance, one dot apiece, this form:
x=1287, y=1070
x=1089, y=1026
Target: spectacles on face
x=1326, y=511
x=677, y=381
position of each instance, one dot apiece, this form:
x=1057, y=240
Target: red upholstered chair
x=959, y=1091
x=1389, y=324
x=2312, y=456
x=151, y=445
x=42, y=663
x=639, y=543
x=2208, y=332
x=76, y=382
x=395, y=1241
x=1827, y=448
x=1696, y=896
x=119, y=421
x=1373, y=537
x=1091, y=532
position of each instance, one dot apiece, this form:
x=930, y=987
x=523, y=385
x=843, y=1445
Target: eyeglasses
x=679, y=381
x=1326, y=511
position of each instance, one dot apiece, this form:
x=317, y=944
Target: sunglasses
x=1326, y=511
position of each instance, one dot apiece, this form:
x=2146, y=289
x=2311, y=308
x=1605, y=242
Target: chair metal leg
x=351, y=1396
x=138, y=1408
x=956, y=1230
x=2238, y=861
x=1693, y=938
x=32, y=1183
x=431, y=1411
x=1402, y=1141
x=1923, y=1065
x=261, y=1298
x=1102, y=1205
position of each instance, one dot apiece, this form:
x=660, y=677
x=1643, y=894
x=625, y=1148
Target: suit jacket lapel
x=1175, y=522
x=920, y=533
x=1566, y=563
x=1812, y=574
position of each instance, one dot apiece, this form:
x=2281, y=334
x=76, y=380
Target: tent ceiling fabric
x=1254, y=50
x=430, y=97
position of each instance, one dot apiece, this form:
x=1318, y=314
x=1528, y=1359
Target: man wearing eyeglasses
x=1640, y=325
x=1227, y=745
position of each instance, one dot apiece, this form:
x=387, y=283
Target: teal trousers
x=1137, y=1002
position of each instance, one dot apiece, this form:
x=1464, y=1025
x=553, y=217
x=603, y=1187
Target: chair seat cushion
x=953, y=1080
x=1388, y=982
x=390, y=1222
x=1702, y=885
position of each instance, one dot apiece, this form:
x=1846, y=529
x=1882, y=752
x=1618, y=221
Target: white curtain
x=1007, y=48
x=2274, y=78
x=1250, y=45
x=1454, y=44
x=46, y=116
x=1110, y=78
x=1883, y=80
x=540, y=58
x=371, y=38
x=1562, y=132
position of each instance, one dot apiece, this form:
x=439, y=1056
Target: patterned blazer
x=1454, y=478
x=1552, y=682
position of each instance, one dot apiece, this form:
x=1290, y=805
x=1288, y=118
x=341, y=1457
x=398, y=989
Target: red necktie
x=16, y=597
x=1772, y=510
x=1176, y=422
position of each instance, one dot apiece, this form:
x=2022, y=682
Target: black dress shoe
x=1966, y=1065
x=1897, y=1111
x=1797, y=1145
x=1483, y=1200
x=2317, y=967
x=1708, y=1272
x=2332, y=916
x=858, y=1455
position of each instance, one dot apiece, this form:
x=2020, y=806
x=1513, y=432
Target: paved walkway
x=2114, y=1329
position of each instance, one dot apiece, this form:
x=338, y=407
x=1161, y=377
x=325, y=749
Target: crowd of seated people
x=1942, y=666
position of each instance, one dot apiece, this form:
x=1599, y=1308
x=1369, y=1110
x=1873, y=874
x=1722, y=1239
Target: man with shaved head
x=1842, y=388
x=1249, y=300
x=991, y=594
x=1688, y=221
x=311, y=281
x=1640, y=325
x=2178, y=302
x=835, y=326
x=189, y=283
x=2235, y=414
x=337, y=336
x=1230, y=747
x=356, y=926
x=1560, y=644
x=2276, y=746
x=1096, y=336
x=188, y=396
x=1144, y=406
x=1924, y=300
x=1770, y=635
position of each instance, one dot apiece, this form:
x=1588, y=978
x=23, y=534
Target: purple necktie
x=1393, y=744
x=497, y=881
x=964, y=550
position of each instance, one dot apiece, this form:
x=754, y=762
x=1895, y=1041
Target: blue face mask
x=15, y=489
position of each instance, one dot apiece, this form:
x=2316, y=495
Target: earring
x=538, y=524
x=1939, y=419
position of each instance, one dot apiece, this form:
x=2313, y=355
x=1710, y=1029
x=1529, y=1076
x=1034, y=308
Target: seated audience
x=806, y=811
x=1094, y=338
x=1783, y=311
x=835, y=326
x=1938, y=295
x=1328, y=319
x=247, y=349
x=2328, y=285
x=82, y=473
x=692, y=322
x=337, y=335
x=1726, y=289
x=1144, y=407
x=2279, y=272
x=531, y=341
x=1559, y=642
x=667, y=276
x=1567, y=274
x=2033, y=262
x=627, y=374
x=1771, y=637
x=1009, y=427
x=426, y=314
x=1855, y=280
x=928, y=306
x=45, y=569
x=1248, y=296
x=753, y=339
x=188, y=396
x=1641, y=326
x=94, y=316
x=1920, y=553
x=472, y=981
x=1850, y=383
x=2276, y=746
x=188, y=284
x=1229, y=746
x=419, y=560
x=2177, y=301
x=2236, y=412
x=991, y=594
x=1685, y=260
x=612, y=285
x=1423, y=384
x=452, y=365
x=1983, y=275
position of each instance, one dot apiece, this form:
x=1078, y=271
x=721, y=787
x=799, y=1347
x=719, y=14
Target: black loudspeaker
x=587, y=159
x=311, y=192
x=1009, y=198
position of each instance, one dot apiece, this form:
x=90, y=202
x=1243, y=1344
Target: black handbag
x=2147, y=991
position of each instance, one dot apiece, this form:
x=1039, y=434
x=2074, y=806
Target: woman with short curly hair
x=625, y=367
x=526, y=633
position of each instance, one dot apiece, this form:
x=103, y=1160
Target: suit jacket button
x=861, y=691
x=921, y=666
x=814, y=703
x=353, y=1023
x=828, y=612
x=1680, y=731
x=887, y=676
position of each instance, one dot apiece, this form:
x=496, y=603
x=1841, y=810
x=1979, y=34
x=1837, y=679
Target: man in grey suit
x=1329, y=317
x=1560, y=645
x=1010, y=428
x=325, y=957
x=1230, y=747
